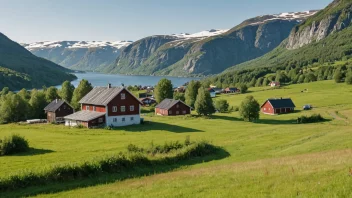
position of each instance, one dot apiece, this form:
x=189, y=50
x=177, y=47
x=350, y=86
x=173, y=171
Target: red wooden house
x=106, y=106
x=170, y=107
x=278, y=106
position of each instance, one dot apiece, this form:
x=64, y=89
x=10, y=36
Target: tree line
x=23, y=105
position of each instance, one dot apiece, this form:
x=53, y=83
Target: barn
x=278, y=106
x=170, y=107
x=57, y=110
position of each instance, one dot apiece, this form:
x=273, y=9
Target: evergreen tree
x=265, y=82
x=259, y=82
x=83, y=89
x=37, y=104
x=249, y=109
x=204, y=103
x=51, y=94
x=243, y=88
x=66, y=91
x=252, y=83
x=301, y=79
x=278, y=77
x=192, y=92
x=163, y=90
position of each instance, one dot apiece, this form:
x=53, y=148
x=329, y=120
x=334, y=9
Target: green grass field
x=271, y=158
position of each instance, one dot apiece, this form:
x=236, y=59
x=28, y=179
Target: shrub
x=310, y=119
x=13, y=144
x=222, y=106
x=113, y=164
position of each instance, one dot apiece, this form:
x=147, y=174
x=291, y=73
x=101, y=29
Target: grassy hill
x=274, y=157
x=30, y=71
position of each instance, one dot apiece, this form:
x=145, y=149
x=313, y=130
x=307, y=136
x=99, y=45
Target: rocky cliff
x=334, y=18
x=209, y=52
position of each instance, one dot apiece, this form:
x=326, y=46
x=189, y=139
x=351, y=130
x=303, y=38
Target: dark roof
x=102, y=95
x=54, y=105
x=211, y=90
x=281, y=103
x=231, y=88
x=85, y=115
x=168, y=103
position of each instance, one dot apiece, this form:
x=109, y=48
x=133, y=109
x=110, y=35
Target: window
x=100, y=120
x=123, y=108
x=94, y=108
x=177, y=112
x=114, y=119
x=264, y=109
x=87, y=108
x=114, y=109
x=64, y=106
x=177, y=106
x=123, y=119
x=184, y=112
x=170, y=112
x=132, y=118
x=59, y=109
x=123, y=96
x=132, y=108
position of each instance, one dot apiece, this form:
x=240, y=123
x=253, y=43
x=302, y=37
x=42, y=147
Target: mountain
x=79, y=55
x=322, y=38
x=19, y=68
x=207, y=52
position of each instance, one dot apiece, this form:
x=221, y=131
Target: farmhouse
x=147, y=101
x=57, y=110
x=212, y=92
x=278, y=106
x=170, y=107
x=275, y=84
x=106, y=106
x=231, y=90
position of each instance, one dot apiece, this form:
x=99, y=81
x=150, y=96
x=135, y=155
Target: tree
x=66, y=91
x=13, y=108
x=222, y=106
x=4, y=91
x=24, y=94
x=204, y=103
x=252, y=83
x=179, y=96
x=348, y=79
x=259, y=82
x=265, y=82
x=51, y=94
x=163, y=90
x=191, y=92
x=249, y=109
x=243, y=88
x=37, y=104
x=338, y=76
x=83, y=89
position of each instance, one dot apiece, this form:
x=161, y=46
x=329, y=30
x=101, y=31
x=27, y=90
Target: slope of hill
x=21, y=69
x=79, y=55
x=208, y=52
x=324, y=37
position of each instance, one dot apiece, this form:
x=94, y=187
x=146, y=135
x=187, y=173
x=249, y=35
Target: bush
x=310, y=119
x=222, y=106
x=115, y=164
x=13, y=144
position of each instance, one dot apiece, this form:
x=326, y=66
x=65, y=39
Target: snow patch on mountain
x=299, y=16
x=207, y=33
x=76, y=44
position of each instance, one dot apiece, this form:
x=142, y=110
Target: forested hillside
x=21, y=69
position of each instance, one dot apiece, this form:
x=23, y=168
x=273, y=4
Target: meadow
x=274, y=157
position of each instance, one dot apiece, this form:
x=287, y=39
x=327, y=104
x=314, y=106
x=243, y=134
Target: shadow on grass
x=140, y=171
x=150, y=126
x=33, y=151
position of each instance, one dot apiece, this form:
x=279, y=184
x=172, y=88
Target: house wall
x=117, y=121
x=61, y=112
x=91, y=123
x=127, y=102
x=50, y=116
x=267, y=108
x=182, y=109
x=97, y=107
x=163, y=112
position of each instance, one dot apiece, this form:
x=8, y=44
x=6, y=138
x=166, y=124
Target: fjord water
x=98, y=79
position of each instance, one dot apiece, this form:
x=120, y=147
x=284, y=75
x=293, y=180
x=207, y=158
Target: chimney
x=56, y=100
x=109, y=85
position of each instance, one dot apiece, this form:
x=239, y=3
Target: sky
x=28, y=21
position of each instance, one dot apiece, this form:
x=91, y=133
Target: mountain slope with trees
x=21, y=69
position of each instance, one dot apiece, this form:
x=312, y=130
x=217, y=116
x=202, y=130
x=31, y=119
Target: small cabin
x=231, y=90
x=275, y=84
x=57, y=110
x=171, y=107
x=278, y=106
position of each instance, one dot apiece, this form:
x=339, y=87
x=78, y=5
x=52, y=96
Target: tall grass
x=112, y=164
